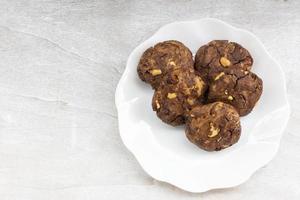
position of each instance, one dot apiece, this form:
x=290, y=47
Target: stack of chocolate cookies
x=208, y=95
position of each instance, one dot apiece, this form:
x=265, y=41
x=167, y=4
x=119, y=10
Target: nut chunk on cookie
x=241, y=92
x=162, y=58
x=222, y=56
x=178, y=93
x=214, y=126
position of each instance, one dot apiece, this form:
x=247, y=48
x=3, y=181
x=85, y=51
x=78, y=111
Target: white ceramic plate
x=164, y=152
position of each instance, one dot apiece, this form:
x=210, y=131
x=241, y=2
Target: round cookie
x=222, y=56
x=178, y=93
x=213, y=127
x=241, y=92
x=162, y=58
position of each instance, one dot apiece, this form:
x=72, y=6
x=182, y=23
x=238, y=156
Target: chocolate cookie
x=177, y=94
x=241, y=92
x=214, y=126
x=162, y=58
x=222, y=56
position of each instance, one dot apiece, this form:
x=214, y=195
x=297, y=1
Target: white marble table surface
x=60, y=64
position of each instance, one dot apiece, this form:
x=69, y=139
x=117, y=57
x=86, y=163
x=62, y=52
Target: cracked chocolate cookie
x=213, y=127
x=222, y=56
x=177, y=94
x=241, y=92
x=162, y=58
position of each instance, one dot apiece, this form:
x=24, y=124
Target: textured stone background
x=60, y=64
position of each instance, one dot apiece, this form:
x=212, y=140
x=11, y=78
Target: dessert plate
x=164, y=152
